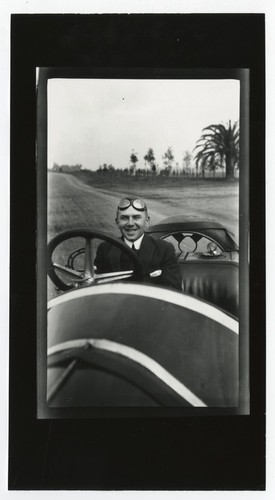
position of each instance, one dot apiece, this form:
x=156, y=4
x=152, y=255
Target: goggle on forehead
x=137, y=204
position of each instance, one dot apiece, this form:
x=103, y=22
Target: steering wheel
x=88, y=276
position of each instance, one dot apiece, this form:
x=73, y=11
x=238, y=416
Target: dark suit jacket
x=153, y=255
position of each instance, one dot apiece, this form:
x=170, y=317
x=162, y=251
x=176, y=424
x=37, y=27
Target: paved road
x=74, y=204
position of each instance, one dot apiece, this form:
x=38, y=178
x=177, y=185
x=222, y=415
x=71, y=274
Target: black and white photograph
x=137, y=347
x=143, y=182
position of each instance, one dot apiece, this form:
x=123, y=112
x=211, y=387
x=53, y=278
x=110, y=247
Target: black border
x=196, y=453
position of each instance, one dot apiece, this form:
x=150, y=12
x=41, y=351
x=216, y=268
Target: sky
x=96, y=121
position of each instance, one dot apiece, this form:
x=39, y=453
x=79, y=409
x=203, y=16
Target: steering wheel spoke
x=115, y=276
x=70, y=272
x=118, y=274
x=89, y=259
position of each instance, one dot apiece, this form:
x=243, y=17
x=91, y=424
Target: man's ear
x=147, y=222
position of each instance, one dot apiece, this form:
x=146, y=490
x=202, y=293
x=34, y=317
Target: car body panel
x=193, y=342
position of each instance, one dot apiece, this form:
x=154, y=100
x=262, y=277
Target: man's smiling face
x=132, y=223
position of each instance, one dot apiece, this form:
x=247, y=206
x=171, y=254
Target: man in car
x=157, y=257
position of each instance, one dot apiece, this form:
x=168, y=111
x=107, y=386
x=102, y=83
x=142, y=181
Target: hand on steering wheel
x=88, y=276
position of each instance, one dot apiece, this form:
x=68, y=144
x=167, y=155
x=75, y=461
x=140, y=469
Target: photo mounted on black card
x=139, y=175
x=137, y=344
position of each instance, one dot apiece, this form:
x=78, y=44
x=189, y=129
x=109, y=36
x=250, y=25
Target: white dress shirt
x=136, y=243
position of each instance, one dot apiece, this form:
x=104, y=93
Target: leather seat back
x=215, y=282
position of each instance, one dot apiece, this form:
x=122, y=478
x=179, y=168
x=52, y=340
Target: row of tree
x=150, y=164
x=218, y=147
x=150, y=160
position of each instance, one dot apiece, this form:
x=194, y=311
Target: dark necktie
x=125, y=261
x=134, y=249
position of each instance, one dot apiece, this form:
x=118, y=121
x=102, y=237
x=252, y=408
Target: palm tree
x=218, y=145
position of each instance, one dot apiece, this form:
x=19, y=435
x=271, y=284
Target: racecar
x=114, y=341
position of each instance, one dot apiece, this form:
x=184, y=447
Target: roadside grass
x=147, y=182
x=169, y=190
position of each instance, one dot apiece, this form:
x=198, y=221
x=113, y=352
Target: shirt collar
x=136, y=243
